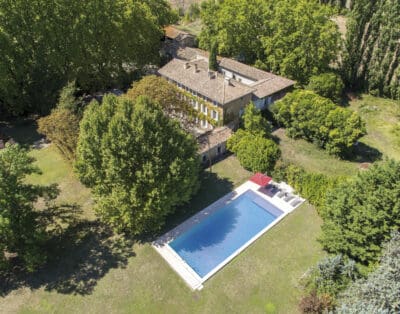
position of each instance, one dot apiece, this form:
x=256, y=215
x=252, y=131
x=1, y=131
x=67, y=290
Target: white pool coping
x=192, y=279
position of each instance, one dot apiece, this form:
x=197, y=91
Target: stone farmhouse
x=221, y=96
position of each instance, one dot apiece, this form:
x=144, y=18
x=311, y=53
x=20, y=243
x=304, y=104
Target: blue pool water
x=218, y=236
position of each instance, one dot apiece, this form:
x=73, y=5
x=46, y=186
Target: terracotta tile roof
x=214, y=138
x=271, y=86
x=266, y=83
x=172, y=32
x=216, y=89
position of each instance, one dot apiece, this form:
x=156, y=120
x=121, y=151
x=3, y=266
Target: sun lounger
x=288, y=198
x=282, y=194
x=296, y=202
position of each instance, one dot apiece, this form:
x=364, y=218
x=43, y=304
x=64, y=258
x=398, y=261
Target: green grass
x=312, y=158
x=193, y=28
x=381, y=116
x=55, y=169
x=92, y=278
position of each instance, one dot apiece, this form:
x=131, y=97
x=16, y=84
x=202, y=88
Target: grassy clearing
x=311, y=158
x=55, y=169
x=96, y=277
x=382, y=116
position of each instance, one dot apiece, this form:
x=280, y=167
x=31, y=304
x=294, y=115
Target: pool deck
x=192, y=279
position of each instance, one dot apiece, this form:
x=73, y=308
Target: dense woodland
x=372, y=47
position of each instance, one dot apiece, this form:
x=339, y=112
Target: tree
x=254, y=122
x=61, y=127
x=213, y=63
x=328, y=85
x=253, y=149
x=294, y=38
x=167, y=95
x=302, y=40
x=236, y=25
x=379, y=292
x=139, y=163
x=254, y=152
x=371, y=59
x=307, y=115
x=360, y=214
x=22, y=232
x=46, y=44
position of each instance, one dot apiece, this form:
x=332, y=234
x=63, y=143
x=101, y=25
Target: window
x=205, y=110
x=214, y=115
x=219, y=150
x=204, y=123
x=201, y=107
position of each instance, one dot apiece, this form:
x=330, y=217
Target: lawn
x=382, y=116
x=312, y=158
x=99, y=275
x=55, y=169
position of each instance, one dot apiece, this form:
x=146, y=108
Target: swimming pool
x=216, y=238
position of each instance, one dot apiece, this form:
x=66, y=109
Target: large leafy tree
x=293, y=38
x=44, y=44
x=379, y=292
x=140, y=163
x=307, y=115
x=303, y=41
x=359, y=215
x=22, y=231
x=167, y=95
x=236, y=25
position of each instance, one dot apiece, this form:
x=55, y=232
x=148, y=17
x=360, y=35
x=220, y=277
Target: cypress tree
x=213, y=64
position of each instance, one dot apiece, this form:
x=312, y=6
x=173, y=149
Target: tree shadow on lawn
x=22, y=130
x=86, y=252
x=365, y=153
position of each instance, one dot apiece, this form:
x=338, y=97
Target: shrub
x=61, y=127
x=313, y=303
x=254, y=150
x=307, y=115
x=311, y=186
x=328, y=85
x=255, y=153
x=331, y=275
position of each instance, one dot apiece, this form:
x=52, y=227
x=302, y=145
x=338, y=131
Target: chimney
x=195, y=68
x=186, y=65
x=211, y=74
x=227, y=81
